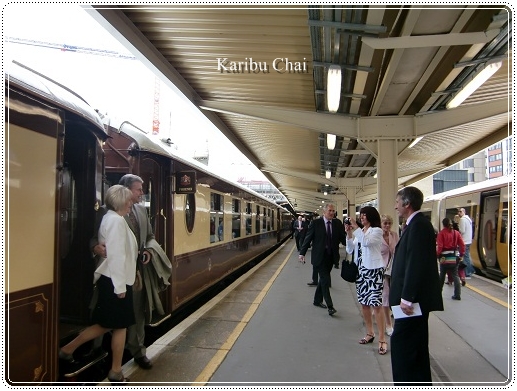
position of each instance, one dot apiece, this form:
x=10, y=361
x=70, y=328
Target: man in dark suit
x=325, y=234
x=300, y=229
x=414, y=279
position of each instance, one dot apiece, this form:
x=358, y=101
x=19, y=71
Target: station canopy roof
x=259, y=73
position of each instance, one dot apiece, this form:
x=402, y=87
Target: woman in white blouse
x=366, y=243
x=114, y=279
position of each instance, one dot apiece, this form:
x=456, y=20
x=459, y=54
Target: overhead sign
x=185, y=182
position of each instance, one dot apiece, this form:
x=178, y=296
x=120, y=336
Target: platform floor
x=264, y=331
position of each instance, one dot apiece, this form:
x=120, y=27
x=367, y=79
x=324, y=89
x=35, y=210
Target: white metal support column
x=387, y=183
x=350, y=194
x=340, y=202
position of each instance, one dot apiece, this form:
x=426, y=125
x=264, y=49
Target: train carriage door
x=33, y=152
x=157, y=197
x=78, y=189
x=488, y=221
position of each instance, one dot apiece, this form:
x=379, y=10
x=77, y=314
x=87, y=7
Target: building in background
x=466, y=172
x=499, y=159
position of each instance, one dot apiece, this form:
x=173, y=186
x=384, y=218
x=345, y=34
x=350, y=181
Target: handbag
x=387, y=271
x=349, y=271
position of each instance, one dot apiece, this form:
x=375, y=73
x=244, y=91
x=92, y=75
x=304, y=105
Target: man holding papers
x=414, y=279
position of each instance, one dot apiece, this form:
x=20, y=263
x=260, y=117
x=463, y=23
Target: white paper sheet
x=397, y=312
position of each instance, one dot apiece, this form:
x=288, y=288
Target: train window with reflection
x=236, y=218
x=503, y=237
x=273, y=221
x=247, y=216
x=190, y=212
x=257, y=220
x=216, y=218
x=264, y=219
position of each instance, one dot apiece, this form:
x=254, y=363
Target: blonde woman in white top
x=366, y=243
x=114, y=279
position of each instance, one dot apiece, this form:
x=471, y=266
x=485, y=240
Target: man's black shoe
x=332, y=311
x=312, y=283
x=143, y=362
x=320, y=305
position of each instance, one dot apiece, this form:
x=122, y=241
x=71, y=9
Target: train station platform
x=263, y=330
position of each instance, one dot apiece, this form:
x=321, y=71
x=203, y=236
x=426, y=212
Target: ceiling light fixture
x=328, y=174
x=474, y=84
x=331, y=141
x=333, y=87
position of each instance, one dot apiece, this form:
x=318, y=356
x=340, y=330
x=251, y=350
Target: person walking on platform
x=414, y=279
x=153, y=270
x=324, y=234
x=461, y=270
x=300, y=230
x=390, y=239
x=447, y=243
x=114, y=279
x=465, y=226
x=365, y=243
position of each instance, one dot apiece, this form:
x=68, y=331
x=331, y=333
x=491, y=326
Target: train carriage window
x=248, y=218
x=236, y=218
x=216, y=218
x=264, y=219
x=190, y=212
x=503, y=237
x=257, y=220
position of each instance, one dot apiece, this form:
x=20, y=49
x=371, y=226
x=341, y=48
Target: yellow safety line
x=482, y=293
x=225, y=348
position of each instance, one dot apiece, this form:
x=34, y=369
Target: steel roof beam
x=364, y=128
x=422, y=41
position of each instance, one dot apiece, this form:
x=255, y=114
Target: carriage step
x=82, y=366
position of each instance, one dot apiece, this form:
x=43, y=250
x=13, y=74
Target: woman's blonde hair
x=387, y=218
x=117, y=197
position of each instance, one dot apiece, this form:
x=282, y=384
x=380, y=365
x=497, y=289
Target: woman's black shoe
x=117, y=378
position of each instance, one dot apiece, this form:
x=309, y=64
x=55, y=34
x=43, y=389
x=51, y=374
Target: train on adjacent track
x=489, y=205
x=62, y=157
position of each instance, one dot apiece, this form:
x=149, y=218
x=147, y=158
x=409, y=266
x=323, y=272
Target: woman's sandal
x=382, y=350
x=117, y=378
x=366, y=340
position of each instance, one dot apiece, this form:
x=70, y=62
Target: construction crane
x=98, y=52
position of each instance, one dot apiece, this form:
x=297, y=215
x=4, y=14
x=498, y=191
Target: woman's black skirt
x=110, y=311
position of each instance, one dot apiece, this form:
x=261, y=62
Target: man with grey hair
x=465, y=227
x=325, y=234
x=414, y=279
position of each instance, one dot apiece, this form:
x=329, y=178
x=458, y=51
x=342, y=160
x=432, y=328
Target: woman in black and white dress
x=366, y=243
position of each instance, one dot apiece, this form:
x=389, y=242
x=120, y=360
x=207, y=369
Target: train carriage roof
x=37, y=84
x=146, y=142
x=479, y=186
